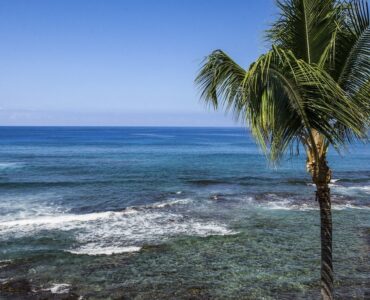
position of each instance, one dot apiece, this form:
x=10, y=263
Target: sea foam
x=277, y=202
x=117, y=232
x=351, y=190
x=58, y=288
x=9, y=165
x=98, y=250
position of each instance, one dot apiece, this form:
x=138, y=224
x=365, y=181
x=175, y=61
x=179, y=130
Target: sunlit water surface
x=174, y=213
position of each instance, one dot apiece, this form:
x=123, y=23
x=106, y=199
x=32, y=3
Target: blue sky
x=95, y=62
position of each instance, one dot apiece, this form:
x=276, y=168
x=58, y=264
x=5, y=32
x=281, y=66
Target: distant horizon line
x=126, y=126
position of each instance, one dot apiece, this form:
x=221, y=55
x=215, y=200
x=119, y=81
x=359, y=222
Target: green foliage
x=305, y=27
x=315, y=77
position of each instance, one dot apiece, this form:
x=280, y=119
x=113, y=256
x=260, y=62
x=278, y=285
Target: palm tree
x=310, y=89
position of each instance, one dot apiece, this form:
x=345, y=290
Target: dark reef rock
x=154, y=247
x=198, y=293
x=20, y=286
x=17, y=289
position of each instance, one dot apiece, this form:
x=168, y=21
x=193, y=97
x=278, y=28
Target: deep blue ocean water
x=174, y=213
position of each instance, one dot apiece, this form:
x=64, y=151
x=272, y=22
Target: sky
x=120, y=62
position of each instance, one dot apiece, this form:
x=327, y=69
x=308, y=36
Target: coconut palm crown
x=311, y=89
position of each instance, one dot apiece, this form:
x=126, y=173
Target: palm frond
x=282, y=99
x=220, y=80
x=358, y=16
x=351, y=64
x=355, y=67
x=305, y=27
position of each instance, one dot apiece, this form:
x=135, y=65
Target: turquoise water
x=173, y=213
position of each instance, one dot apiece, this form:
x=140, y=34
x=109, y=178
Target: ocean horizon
x=164, y=213
x=185, y=150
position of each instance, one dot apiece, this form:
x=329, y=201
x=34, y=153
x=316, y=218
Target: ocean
x=172, y=213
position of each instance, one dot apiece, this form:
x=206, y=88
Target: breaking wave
x=9, y=165
x=351, y=190
x=284, y=202
x=117, y=232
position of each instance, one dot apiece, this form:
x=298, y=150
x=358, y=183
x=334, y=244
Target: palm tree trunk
x=322, y=180
x=323, y=196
